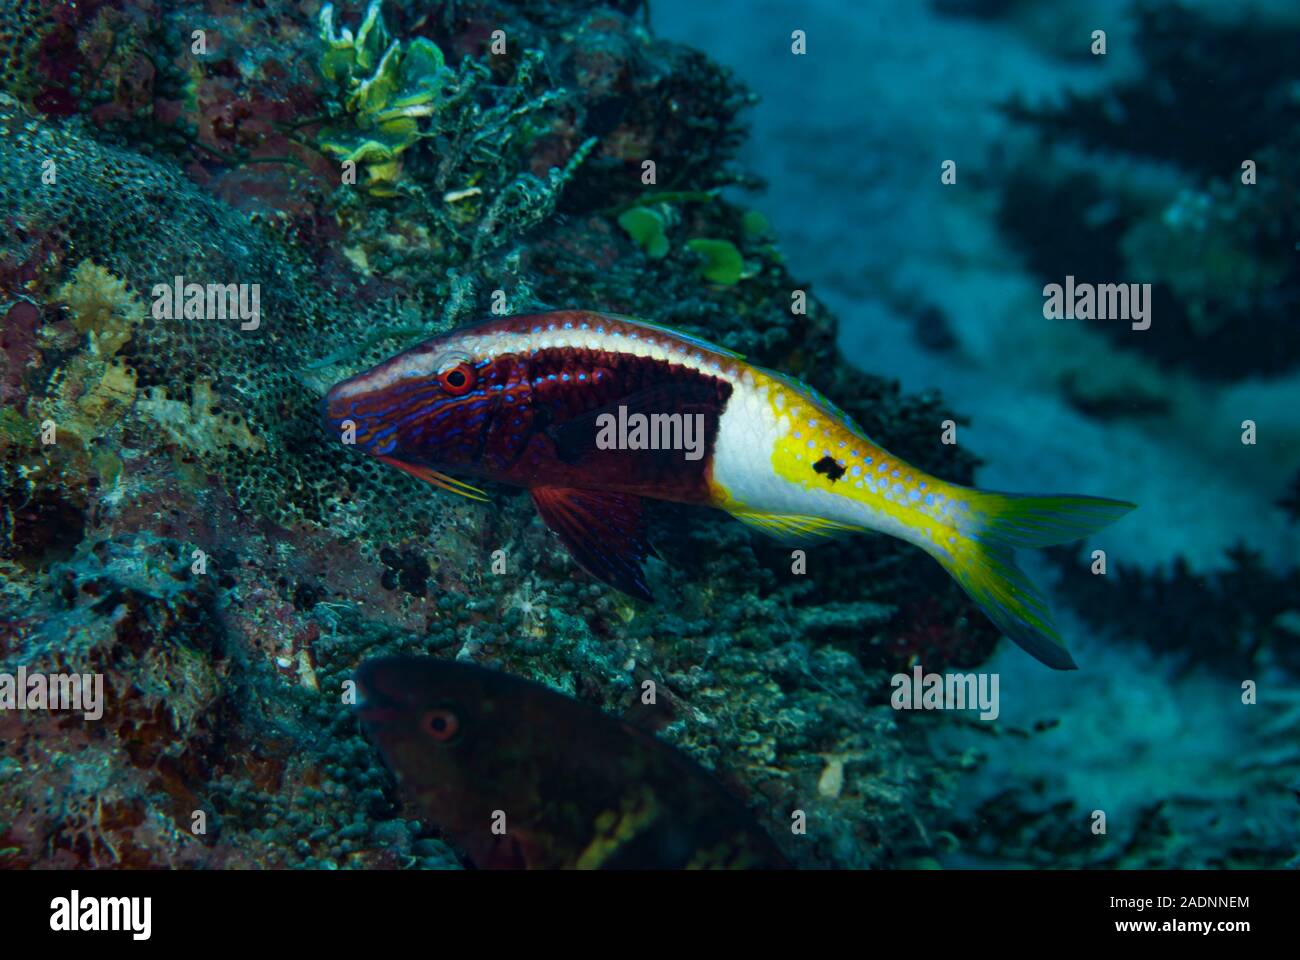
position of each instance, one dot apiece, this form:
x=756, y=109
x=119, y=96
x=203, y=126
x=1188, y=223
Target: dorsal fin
x=674, y=332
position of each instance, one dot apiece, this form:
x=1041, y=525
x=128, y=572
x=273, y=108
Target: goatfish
x=517, y=775
x=594, y=413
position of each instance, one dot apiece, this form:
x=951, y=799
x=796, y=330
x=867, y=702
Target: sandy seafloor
x=850, y=138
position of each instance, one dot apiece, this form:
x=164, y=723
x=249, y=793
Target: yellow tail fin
x=984, y=564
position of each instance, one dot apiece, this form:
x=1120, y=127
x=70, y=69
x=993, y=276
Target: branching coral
x=312, y=559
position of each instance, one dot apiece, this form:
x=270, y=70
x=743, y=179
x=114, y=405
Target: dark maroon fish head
x=425, y=716
x=476, y=749
x=426, y=406
x=463, y=743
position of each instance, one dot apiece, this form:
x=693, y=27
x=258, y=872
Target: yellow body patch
x=830, y=477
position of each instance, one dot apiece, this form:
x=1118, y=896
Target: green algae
x=385, y=95
x=645, y=225
x=722, y=262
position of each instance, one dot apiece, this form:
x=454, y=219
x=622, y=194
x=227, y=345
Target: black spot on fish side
x=829, y=467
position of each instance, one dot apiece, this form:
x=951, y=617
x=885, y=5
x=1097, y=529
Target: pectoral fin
x=604, y=532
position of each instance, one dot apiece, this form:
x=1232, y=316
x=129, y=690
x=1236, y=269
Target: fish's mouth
x=343, y=421
x=330, y=418
x=333, y=411
x=374, y=706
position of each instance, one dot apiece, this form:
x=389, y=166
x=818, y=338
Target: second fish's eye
x=457, y=380
x=441, y=724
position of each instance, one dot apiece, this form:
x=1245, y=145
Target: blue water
x=852, y=138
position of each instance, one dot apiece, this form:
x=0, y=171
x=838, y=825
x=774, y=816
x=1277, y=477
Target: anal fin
x=604, y=532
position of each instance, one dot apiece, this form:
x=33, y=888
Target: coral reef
x=191, y=534
x=173, y=518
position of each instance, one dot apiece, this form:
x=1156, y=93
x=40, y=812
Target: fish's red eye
x=441, y=724
x=457, y=380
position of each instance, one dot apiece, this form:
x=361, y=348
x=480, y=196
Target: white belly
x=751, y=426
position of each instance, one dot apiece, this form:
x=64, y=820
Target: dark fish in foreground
x=571, y=786
x=539, y=401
